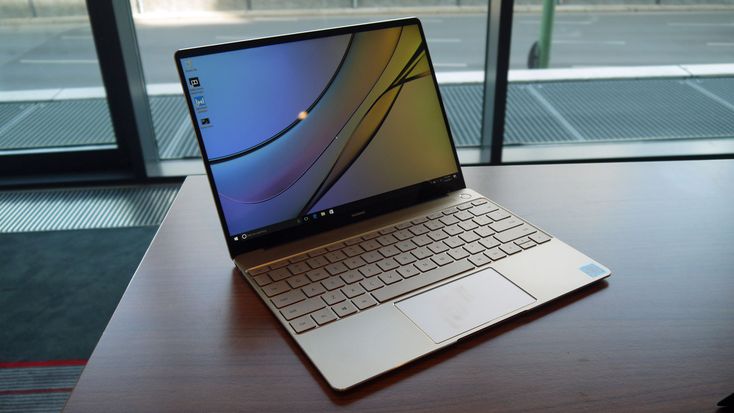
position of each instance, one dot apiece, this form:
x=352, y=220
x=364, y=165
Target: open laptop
x=343, y=204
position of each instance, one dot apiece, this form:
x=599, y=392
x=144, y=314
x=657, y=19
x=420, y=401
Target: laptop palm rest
x=459, y=306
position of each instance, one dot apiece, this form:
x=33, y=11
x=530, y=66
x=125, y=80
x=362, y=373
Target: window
x=91, y=86
x=65, y=108
x=633, y=80
x=51, y=92
x=455, y=36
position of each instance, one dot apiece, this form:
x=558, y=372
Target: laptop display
x=294, y=131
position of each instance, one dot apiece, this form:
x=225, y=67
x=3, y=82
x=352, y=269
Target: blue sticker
x=593, y=270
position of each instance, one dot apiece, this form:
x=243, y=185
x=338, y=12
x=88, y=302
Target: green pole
x=546, y=32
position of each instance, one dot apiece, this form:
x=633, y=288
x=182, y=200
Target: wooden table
x=191, y=335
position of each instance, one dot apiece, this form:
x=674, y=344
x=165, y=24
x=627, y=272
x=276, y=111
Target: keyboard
x=341, y=279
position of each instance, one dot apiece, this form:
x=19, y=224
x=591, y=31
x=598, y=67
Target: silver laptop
x=343, y=203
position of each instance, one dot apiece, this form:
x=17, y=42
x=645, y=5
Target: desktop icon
x=305, y=219
x=194, y=82
x=205, y=121
x=244, y=237
x=323, y=214
x=236, y=239
x=199, y=101
x=331, y=212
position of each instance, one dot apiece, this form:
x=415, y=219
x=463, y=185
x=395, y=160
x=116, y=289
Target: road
x=62, y=55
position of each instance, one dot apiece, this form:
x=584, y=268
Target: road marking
x=700, y=24
x=449, y=40
x=550, y=108
x=275, y=19
x=76, y=36
x=562, y=22
x=709, y=94
x=59, y=61
x=607, y=42
x=720, y=44
x=569, y=33
x=450, y=65
x=183, y=127
x=19, y=117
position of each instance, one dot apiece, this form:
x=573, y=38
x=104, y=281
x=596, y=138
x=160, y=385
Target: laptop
x=343, y=203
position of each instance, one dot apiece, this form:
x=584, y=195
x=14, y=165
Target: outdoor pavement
x=538, y=113
x=56, y=57
x=61, y=54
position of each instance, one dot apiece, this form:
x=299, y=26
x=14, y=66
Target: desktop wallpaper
x=300, y=127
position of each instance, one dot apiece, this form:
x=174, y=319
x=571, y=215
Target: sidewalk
x=681, y=103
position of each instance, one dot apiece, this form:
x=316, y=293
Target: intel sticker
x=593, y=270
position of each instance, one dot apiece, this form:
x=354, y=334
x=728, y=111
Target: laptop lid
x=309, y=131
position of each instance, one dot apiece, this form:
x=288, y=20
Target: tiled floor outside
x=537, y=113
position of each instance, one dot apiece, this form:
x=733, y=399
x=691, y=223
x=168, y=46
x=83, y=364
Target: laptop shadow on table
x=386, y=380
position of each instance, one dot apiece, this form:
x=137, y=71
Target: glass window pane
x=455, y=31
x=51, y=93
x=632, y=80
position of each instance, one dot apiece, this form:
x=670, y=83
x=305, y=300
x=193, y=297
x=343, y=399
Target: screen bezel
x=349, y=213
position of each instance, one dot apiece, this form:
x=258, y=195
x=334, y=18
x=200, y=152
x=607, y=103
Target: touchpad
x=464, y=304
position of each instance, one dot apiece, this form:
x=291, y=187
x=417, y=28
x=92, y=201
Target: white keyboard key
x=302, y=324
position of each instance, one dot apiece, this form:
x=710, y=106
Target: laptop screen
x=301, y=131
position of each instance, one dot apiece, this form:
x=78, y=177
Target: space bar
x=427, y=278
